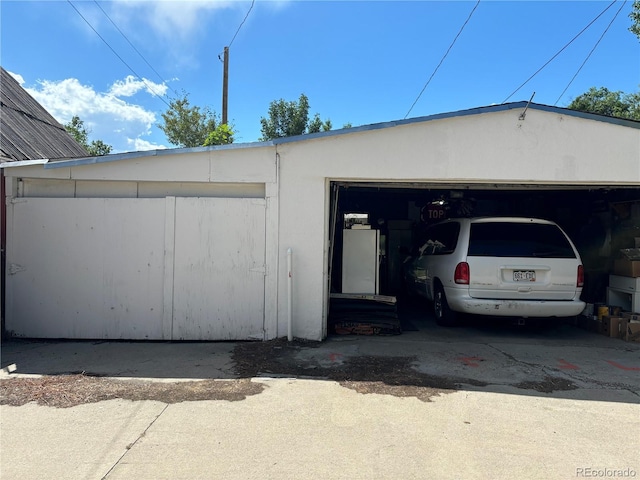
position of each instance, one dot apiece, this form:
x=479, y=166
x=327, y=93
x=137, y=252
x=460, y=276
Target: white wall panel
x=153, y=168
x=37, y=171
x=106, y=189
x=219, y=269
x=86, y=268
x=40, y=187
x=156, y=269
x=181, y=189
x=244, y=165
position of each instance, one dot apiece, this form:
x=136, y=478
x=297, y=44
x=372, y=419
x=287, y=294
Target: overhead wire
x=443, y=58
x=129, y=41
x=591, y=52
x=149, y=87
x=242, y=23
x=559, y=51
x=239, y=27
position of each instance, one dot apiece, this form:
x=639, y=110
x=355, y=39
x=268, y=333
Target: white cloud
x=178, y=26
x=139, y=145
x=107, y=117
x=17, y=77
x=131, y=85
x=175, y=20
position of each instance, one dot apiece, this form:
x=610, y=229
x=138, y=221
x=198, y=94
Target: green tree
x=78, y=131
x=635, y=19
x=605, y=102
x=222, y=135
x=316, y=125
x=291, y=118
x=192, y=126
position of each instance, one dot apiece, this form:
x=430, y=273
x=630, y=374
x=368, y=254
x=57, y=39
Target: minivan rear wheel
x=444, y=315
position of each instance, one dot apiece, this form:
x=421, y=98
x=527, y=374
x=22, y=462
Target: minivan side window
x=441, y=239
x=508, y=239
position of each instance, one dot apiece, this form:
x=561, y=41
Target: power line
x=242, y=23
x=442, y=60
x=129, y=42
x=116, y=54
x=238, y=30
x=591, y=52
x=559, y=52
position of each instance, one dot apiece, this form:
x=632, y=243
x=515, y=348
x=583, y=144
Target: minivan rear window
x=441, y=239
x=508, y=239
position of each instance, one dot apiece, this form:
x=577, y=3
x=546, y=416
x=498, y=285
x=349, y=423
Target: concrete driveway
x=481, y=354
x=480, y=401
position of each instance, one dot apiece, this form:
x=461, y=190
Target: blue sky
x=360, y=62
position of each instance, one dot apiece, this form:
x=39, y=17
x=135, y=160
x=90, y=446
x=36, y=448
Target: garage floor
x=497, y=353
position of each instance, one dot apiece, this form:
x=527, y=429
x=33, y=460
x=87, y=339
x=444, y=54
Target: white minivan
x=498, y=266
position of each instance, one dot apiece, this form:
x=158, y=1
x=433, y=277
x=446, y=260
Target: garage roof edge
x=151, y=153
x=463, y=113
x=23, y=163
x=363, y=128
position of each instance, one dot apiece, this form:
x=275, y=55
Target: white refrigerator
x=361, y=261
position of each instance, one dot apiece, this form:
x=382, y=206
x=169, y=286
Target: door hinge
x=261, y=269
x=15, y=268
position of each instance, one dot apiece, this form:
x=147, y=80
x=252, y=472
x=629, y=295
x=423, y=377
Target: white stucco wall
x=495, y=147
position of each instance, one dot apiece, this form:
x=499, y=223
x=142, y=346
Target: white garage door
x=219, y=269
x=157, y=269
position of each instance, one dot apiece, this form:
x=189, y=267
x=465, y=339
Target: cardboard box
x=604, y=325
x=626, y=268
x=628, y=265
x=632, y=332
x=632, y=317
x=614, y=327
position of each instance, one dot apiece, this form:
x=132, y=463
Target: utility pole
x=225, y=85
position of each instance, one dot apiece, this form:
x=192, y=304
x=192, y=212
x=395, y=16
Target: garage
x=600, y=220
x=246, y=242
x=514, y=159
x=113, y=250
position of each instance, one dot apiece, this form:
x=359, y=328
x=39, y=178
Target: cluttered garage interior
x=379, y=226
x=603, y=222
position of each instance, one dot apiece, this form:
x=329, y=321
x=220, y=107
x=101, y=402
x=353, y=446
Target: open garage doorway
x=600, y=219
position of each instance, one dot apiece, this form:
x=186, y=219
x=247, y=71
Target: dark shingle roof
x=27, y=130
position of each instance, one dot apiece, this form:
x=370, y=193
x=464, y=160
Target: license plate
x=524, y=276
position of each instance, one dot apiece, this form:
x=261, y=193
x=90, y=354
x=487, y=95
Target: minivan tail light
x=580, y=276
x=461, y=274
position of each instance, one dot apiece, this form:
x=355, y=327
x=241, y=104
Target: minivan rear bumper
x=460, y=301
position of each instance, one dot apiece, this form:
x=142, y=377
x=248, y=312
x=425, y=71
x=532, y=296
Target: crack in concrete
x=512, y=358
x=573, y=375
x=132, y=444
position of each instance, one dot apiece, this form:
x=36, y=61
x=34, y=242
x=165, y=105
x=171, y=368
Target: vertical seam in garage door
x=169, y=266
